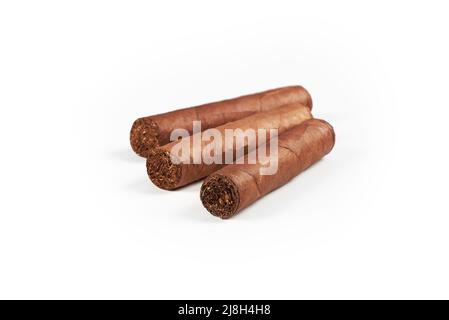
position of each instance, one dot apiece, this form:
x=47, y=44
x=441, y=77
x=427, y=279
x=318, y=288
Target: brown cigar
x=168, y=175
x=153, y=131
x=236, y=186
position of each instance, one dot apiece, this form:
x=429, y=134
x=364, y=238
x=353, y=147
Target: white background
x=80, y=219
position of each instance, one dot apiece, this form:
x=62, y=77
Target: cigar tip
x=162, y=171
x=308, y=97
x=330, y=128
x=143, y=136
x=220, y=196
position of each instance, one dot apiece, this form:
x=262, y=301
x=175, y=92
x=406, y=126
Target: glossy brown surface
x=150, y=132
x=236, y=186
x=168, y=176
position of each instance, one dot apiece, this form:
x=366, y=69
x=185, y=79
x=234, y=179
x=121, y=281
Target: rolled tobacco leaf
x=169, y=172
x=236, y=186
x=150, y=132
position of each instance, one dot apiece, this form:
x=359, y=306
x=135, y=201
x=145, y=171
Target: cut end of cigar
x=143, y=136
x=162, y=171
x=220, y=196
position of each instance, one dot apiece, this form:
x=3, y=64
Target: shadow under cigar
x=193, y=187
x=144, y=186
x=126, y=155
x=196, y=212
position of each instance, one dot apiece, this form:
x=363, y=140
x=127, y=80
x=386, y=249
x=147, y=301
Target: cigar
x=236, y=186
x=150, y=132
x=168, y=172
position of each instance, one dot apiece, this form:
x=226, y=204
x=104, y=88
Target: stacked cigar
x=299, y=140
